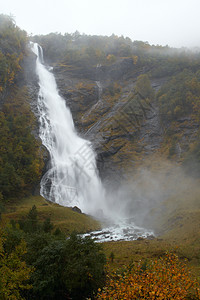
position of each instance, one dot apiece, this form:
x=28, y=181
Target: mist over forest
x=99, y=167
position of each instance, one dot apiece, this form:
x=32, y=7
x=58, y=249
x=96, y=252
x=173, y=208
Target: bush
x=166, y=278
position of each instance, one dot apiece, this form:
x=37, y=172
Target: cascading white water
x=72, y=178
x=99, y=90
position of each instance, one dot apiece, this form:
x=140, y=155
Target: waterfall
x=98, y=104
x=99, y=90
x=72, y=178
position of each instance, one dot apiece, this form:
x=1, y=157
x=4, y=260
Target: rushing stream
x=72, y=177
x=124, y=230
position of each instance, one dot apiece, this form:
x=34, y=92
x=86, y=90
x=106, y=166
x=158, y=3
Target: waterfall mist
x=155, y=191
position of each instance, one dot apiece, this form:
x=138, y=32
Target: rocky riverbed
x=123, y=230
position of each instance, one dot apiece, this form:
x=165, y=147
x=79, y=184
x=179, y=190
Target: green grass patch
x=62, y=217
x=127, y=253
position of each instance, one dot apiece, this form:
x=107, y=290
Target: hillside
x=139, y=105
x=21, y=161
x=68, y=220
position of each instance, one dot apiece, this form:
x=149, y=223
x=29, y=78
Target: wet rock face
x=151, y=132
x=3, y=96
x=96, y=97
x=79, y=94
x=93, y=100
x=30, y=79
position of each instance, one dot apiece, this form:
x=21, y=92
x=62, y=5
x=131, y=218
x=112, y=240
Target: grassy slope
x=62, y=217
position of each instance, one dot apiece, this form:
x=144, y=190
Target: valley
x=136, y=108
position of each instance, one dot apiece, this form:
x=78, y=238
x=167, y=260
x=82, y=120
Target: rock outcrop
x=122, y=129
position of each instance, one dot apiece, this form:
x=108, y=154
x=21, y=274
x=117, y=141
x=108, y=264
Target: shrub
x=165, y=278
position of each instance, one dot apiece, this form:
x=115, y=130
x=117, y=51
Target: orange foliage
x=166, y=278
x=135, y=59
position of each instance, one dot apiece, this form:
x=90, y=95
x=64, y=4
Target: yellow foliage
x=135, y=59
x=166, y=278
x=111, y=58
x=13, y=271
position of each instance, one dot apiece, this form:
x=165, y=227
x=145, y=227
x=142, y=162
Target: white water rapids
x=72, y=178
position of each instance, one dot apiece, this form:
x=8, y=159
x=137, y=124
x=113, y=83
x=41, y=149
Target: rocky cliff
x=109, y=109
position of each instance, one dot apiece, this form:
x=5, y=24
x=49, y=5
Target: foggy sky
x=165, y=22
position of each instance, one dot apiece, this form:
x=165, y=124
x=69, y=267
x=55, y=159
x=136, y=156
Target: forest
x=42, y=255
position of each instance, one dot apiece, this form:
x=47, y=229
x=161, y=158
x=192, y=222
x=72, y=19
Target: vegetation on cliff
x=180, y=96
x=85, y=50
x=21, y=161
x=13, y=42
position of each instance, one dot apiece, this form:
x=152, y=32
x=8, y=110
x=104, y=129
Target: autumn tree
x=21, y=158
x=20, y=151
x=12, y=50
x=164, y=278
x=14, y=273
x=180, y=96
x=143, y=87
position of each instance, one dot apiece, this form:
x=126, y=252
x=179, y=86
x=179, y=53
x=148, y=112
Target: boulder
x=77, y=209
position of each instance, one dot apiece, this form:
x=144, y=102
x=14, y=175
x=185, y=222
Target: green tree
x=47, y=225
x=14, y=273
x=143, y=87
x=63, y=268
x=85, y=264
x=30, y=223
x=73, y=267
